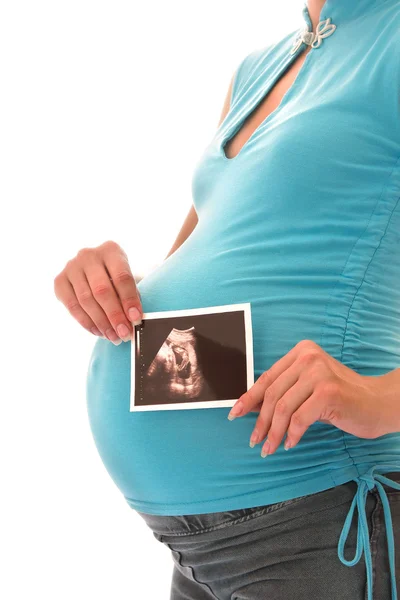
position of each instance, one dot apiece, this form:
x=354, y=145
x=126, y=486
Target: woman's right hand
x=98, y=289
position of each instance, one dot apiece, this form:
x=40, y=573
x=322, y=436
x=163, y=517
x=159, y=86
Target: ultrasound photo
x=197, y=358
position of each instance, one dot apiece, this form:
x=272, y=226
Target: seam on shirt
x=339, y=278
x=346, y=449
x=245, y=494
x=131, y=501
x=365, y=273
x=323, y=332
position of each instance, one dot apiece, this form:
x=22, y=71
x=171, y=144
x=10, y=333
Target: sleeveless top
x=304, y=223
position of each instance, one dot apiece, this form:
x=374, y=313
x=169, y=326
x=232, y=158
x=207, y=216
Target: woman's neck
x=314, y=9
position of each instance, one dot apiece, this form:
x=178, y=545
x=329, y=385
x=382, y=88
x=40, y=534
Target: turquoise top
x=304, y=223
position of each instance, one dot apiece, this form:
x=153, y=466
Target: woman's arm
x=187, y=228
x=192, y=218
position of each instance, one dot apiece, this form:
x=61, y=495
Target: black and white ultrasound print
x=197, y=358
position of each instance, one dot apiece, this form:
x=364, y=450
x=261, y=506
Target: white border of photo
x=245, y=307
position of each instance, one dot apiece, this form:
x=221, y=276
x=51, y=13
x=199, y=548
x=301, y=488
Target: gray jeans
x=282, y=551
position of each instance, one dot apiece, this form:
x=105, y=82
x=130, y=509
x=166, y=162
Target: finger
x=255, y=394
x=84, y=295
x=105, y=295
x=294, y=398
x=124, y=283
x=306, y=415
x=64, y=292
x=276, y=398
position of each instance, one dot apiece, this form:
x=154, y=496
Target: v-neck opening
x=325, y=13
x=263, y=93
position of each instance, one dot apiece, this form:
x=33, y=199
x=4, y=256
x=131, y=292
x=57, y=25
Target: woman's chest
x=323, y=127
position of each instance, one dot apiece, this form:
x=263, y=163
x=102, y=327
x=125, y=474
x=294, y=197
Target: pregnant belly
x=167, y=458
x=196, y=460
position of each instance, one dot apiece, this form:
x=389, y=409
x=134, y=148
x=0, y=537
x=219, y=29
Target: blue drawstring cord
x=366, y=483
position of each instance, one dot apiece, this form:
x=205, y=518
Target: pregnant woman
x=296, y=209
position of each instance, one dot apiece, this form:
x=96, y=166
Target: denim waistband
x=378, y=480
x=179, y=525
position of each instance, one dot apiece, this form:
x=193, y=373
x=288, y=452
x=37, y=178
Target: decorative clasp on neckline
x=323, y=30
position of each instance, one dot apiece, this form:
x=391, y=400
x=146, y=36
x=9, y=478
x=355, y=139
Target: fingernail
x=95, y=331
x=287, y=444
x=123, y=332
x=134, y=316
x=265, y=450
x=254, y=438
x=236, y=410
x=111, y=335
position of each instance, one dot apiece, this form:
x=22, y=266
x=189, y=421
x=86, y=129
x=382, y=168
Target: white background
x=105, y=108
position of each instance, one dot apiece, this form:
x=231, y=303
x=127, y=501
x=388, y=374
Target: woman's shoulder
x=254, y=62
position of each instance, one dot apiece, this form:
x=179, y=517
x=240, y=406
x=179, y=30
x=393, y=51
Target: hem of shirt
x=251, y=499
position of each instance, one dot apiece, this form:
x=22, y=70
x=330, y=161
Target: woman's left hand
x=308, y=385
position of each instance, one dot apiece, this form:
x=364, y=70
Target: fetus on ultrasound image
x=192, y=358
x=175, y=370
